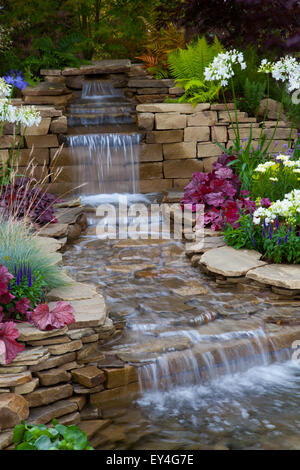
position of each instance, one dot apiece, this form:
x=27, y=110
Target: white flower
x=273, y=179
x=287, y=208
x=5, y=88
x=221, y=69
x=28, y=116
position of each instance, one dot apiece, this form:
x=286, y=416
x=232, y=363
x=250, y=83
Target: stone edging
x=229, y=265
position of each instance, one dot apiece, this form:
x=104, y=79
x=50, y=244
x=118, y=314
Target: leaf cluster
x=41, y=437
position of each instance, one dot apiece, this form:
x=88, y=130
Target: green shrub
x=40, y=437
x=47, y=55
x=187, y=67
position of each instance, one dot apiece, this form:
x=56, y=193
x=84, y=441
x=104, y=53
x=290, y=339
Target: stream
x=207, y=381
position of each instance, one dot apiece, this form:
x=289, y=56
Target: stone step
x=86, y=120
x=121, y=129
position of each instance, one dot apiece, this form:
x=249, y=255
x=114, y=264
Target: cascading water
x=103, y=140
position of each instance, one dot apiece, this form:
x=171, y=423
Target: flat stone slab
x=31, y=356
x=49, y=244
x=28, y=332
x=54, y=230
x=88, y=312
x=279, y=275
x=45, y=414
x=172, y=107
x=45, y=89
x=140, y=353
x=207, y=243
x=12, y=380
x=76, y=291
x=230, y=262
x=101, y=66
x=68, y=215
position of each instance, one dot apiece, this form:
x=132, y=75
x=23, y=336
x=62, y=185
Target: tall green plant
x=187, y=66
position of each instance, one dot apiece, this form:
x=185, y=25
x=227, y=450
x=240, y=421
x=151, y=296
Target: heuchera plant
x=59, y=316
x=19, y=199
x=219, y=191
x=9, y=347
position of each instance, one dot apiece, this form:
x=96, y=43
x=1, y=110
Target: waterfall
x=103, y=141
x=108, y=162
x=210, y=358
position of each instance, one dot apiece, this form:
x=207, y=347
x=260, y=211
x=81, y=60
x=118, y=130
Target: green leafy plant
x=275, y=178
x=45, y=54
x=187, y=67
x=252, y=94
x=41, y=437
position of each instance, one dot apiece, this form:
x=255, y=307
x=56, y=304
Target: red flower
x=60, y=315
x=8, y=345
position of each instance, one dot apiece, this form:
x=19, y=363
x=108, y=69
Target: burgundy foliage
x=59, y=316
x=219, y=192
x=8, y=344
x=21, y=200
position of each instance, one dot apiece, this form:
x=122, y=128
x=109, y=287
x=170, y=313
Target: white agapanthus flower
x=287, y=208
x=221, y=69
x=287, y=69
x=5, y=89
x=28, y=116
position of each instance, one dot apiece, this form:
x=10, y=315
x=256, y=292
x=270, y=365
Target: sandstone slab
x=28, y=332
x=13, y=409
x=31, y=356
x=59, y=349
x=170, y=121
x=89, y=376
x=49, y=244
x=53, y=230
x=230, y=262
x=207, y=243
x=114, y=393
x=184, y=108
x=80, y=401
x=12, y=380
x=27, y=387
x=53, y=376
x=279, y=275
x=45, y=414
x=54, y=361
x=46, y=395
x=119, y=377
x=75, y=291
x=179, y=150
x=87, y=313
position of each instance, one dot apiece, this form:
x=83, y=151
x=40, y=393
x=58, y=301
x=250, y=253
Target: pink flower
x=3, y=288
x=8, y=343
x=60, y=315
x=23, y=305
x=6, y=298
x=5, y=275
